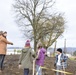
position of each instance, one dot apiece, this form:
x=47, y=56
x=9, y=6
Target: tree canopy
x=38, y=22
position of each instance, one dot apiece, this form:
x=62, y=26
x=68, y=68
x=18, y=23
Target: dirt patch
x=11, y=66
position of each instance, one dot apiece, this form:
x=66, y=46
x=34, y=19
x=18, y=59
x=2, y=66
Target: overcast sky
x=7, y=22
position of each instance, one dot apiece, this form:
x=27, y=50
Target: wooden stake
x=33, y=67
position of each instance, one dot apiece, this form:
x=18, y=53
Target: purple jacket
x=41, y=57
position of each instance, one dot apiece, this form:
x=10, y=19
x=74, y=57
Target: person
x=3, y=46
x=26, y=60
x=60, y=61
x=40, y=59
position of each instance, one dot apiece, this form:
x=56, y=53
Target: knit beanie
x=59, y=50
x=27, y=43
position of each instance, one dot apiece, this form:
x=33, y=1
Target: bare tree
x=48, y=31
x=54, y=28
x=34, y=18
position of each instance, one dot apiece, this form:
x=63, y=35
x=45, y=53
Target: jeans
x=1, y=60
x=38, y=70
x=26, y=71
x=59, y=68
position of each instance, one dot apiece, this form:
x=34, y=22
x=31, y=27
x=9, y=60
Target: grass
x=72, y=58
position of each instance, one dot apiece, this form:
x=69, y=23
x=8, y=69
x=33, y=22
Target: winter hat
x=27, y=43
x=59, y=50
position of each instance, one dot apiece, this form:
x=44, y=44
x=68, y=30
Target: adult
x=3, y=49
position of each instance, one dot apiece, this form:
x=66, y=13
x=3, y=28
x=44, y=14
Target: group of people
x=28, y=55
x=39, y=57
x=25, y=61
x=3, y=47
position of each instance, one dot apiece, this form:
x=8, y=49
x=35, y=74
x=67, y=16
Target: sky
x=7, y=23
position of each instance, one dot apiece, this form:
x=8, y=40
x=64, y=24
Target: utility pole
x=65, y=46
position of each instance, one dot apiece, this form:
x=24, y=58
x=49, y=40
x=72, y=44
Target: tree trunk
x=35, y=44
x=54, y=49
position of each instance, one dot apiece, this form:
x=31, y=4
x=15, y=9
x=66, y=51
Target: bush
x=74, y=53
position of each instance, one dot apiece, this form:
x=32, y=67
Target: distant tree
x=74, y=53
x=37, y=22
x=18, y=51
x=14, y=51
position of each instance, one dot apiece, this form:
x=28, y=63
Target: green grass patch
x=72, y=58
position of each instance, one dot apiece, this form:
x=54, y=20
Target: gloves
x=11, y=43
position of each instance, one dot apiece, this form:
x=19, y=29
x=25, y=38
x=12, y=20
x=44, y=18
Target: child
x=25, y=61
x=60, y=61
x=40, y=59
